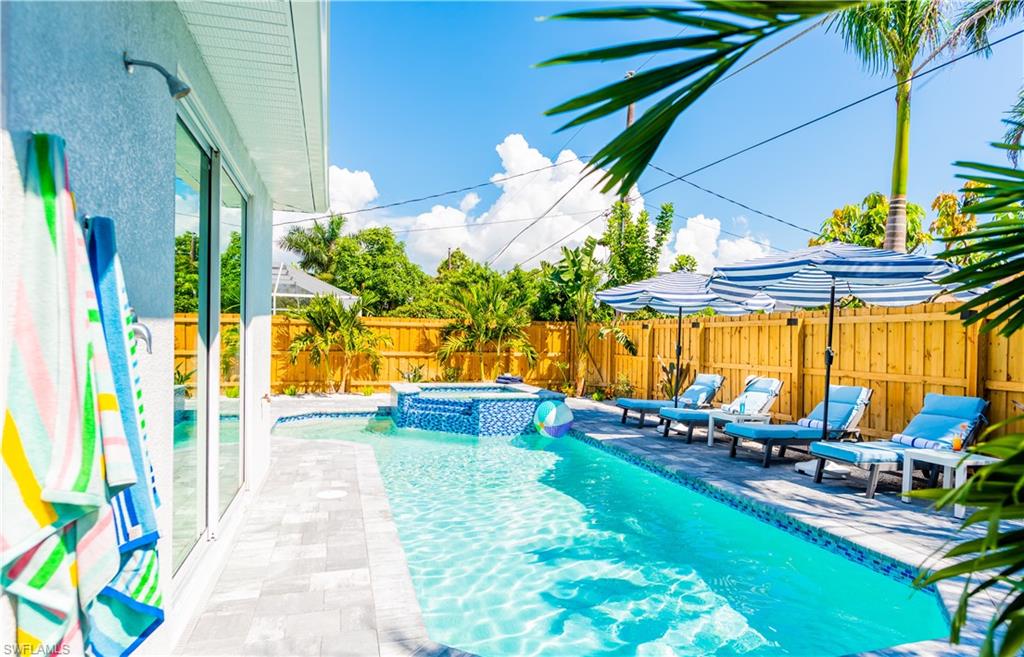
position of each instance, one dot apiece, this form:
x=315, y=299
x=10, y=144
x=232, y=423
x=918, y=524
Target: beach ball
x=552, y=419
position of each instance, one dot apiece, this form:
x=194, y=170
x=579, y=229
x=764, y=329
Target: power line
x=826, y=115
x=603, y=213
x=425, y=198
x=483, y=224
x=768, y=245
x=554, y=205
x=733, y=201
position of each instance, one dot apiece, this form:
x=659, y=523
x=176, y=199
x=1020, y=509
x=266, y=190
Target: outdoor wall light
x=694, y=324
x=792, y=321
x=175, y=86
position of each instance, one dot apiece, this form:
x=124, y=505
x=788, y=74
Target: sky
x=430, y=97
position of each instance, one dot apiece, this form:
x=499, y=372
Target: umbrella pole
x=679, y=351
x=828, y=357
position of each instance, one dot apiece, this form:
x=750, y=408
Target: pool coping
x=947, y=592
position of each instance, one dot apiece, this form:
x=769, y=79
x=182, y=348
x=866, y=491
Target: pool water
x=532, y=546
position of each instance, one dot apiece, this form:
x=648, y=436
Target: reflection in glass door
x=191, y=224
x=229, y=450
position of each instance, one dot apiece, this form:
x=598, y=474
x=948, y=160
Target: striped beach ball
x=552, y=419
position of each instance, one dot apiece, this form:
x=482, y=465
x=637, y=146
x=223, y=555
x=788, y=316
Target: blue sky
x=422, y=93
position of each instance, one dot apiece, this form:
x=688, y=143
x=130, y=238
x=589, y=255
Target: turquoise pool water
x=531, y=546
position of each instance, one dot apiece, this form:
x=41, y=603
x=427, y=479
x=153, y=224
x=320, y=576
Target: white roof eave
x=269, y=63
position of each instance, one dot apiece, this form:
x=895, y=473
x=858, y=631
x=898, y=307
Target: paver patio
x=319, y=569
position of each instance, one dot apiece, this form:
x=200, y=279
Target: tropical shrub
x=492, y=313
x=331, y=327
x=291, y=391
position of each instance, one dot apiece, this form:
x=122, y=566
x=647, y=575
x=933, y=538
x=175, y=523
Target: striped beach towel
x=131, y=606
x=63, y=444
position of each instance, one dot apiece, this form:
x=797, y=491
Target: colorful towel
x=131, y=606
x=63, y=446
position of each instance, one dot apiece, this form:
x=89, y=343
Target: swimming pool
x=530, y=546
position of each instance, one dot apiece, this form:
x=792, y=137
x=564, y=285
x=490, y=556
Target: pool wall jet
x=482, y=409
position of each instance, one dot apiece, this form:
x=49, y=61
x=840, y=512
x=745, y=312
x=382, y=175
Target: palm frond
x=726, y=36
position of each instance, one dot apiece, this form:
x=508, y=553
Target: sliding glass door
x=230, y=464
x=209, y=275
x=191, y=308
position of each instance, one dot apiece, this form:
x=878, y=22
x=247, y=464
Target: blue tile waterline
x=506, y=536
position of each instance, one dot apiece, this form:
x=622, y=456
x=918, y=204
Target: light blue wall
x=62, y=73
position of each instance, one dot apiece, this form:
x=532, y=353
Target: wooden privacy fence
x=900, y=353
x=414, y=342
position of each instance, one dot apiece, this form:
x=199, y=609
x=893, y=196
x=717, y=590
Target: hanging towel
x=130, y=607
x=63, y=446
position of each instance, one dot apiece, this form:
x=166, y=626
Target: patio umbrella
x=816, y=276
x=678, y=293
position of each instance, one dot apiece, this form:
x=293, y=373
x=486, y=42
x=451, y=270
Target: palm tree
x=899, y=37
x=317, y=246
x=334, y=328
x=320, y=337
x=577, y=277
x=491, y=313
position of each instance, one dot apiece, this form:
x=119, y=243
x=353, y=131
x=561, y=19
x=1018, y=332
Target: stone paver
x=319, y=569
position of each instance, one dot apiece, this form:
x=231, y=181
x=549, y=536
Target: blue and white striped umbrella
x=819, y=275
x=679, y=291
x=804, y=278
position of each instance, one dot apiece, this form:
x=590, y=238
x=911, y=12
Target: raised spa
x=488, y=409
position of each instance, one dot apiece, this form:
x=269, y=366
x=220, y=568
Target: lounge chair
x=759, y=394
x=700, y=393
x=846, y=406
x=943, y=418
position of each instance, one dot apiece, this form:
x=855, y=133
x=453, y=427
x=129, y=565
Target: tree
x=186, y=273
x=231, y=275
x=331, y=327
x=491, y=313
x=899, y=37
x=370, y=263
x=317, y=246
x=577, y=277
x=865, y=224
x=633, y=251
x=434, y=298
x=684, y=262
x=952, y=223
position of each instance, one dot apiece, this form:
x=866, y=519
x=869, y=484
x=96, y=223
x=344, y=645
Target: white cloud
x=702, y=238
x=350, y=190
x=469, y=201
x=481, y=235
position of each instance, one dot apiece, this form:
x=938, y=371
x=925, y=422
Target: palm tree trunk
x=896, y=223
x=480, y=355
x=344, y=372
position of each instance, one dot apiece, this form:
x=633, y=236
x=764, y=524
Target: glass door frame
x=195, y=119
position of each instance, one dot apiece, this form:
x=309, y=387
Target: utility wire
x=768, y=245
x=493, y=258
x=425, y=198
x=603, y=213
x=484, y=224
x=733, y=201
x=826, y=115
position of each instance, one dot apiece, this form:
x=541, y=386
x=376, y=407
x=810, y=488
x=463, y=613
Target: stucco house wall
x=62, y=73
